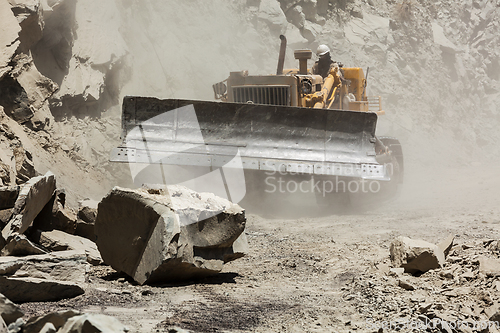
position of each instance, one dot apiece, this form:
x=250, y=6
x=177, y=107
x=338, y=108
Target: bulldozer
x=291, y=123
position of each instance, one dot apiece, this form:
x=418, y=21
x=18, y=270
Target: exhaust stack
x=281, y=60
x=303, y=56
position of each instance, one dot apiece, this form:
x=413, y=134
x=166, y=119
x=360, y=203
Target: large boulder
x=416, y=256
x=28, y=289
x=33, y=197
x=40, y=278
x=57, y=240
x=175, y=235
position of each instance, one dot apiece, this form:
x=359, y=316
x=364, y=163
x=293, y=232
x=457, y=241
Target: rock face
x=142, y=235
x=416, y=256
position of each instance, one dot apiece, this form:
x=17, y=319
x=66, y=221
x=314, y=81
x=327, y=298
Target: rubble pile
x=464, y=290
x=153, y=234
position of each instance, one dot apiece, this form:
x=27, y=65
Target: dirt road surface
x=320, y=271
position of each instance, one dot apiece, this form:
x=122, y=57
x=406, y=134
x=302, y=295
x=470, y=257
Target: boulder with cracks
x=157, y=236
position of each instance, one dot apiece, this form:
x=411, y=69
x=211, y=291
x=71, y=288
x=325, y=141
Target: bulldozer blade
x=264, y=137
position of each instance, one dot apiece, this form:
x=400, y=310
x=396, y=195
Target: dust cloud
x=178, y=51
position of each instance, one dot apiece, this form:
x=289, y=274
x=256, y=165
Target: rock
x=488, y=266
x=3, y=326
x=5, y=216
x=56, y=216
x=38, y=290
x=415, y=255
x=32, y=198
x=17, y=326
x=403, y=283
x=20, y=245
x=56, y=319
x=468, y=275
x=25, y=168
x=48, y=328
x=174, y=329
x=57, y=240
x=294, y=38
x=446, y=245
x=9, y=32
x=142, y=235
x=271, y=14
x=496, y=317
x=396, y=271
x=311, y=31
x=440, y=39
x=87, y=214
x=8, y=197
x=296, y=16
x=93, y=323
x=371, y=28
x=29, y=16
x=15, y=100
x=38, y=89
x=86, y=65
x=322, y=7
x=62, y=266
x=448, y=274
x=87, y=210
x=9, y=311
x=86, y=230
x=496, y=284
x=309, y=8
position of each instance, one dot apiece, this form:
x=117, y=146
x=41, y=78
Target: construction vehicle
x=293, y=122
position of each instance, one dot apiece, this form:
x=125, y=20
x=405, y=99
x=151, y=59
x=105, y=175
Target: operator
x=325, y=63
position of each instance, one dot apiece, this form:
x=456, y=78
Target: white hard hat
x=322, y=50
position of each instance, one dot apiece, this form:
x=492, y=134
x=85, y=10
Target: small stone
x=405, y=284
x=489, y=267
x=468, y=275
x=446, y=245
x=396, y=271
x=424, y=307
x=416, y=255
x=94, y=323
x=448, y=274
